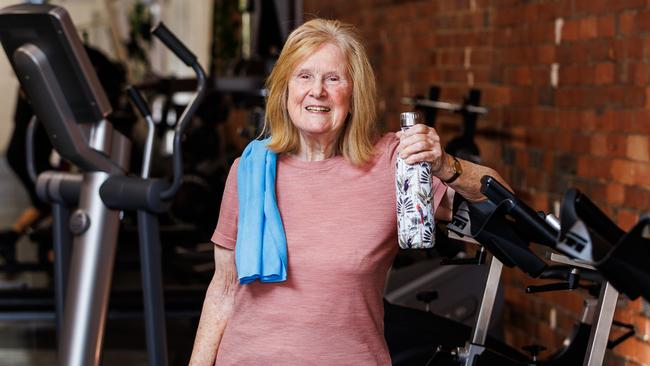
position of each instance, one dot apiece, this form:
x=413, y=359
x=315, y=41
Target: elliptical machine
x=52, y=67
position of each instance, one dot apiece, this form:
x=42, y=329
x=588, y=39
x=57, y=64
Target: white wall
x=190, y=23
x=192, y=26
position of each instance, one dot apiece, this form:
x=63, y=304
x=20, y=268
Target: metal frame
x=476, y=346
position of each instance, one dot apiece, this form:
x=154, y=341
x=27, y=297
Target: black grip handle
x=497, y=193
x=137, y=99
x=174, y=44
x=494, y=191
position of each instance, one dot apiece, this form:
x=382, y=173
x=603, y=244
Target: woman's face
x=320, y=91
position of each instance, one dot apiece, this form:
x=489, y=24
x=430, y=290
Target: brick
x=521, y=159
x=617, y=5
x=638, y=147
x=548, y=161
x=563, y=142
x=571, y=53
x=538, y=181
x=592, y=167
x=585, y=166
x=588, y=28
x=623, y=171
x=616, y=145
x=626, y=219
x=641, y=122
x=647, y=98
x=541, y=77
x=590, y=6
x=497, y=96
x=568, y=98
x=642, y=174
x=604, y=73
x=634, y=48
x=615, y=193
x=571, y=30
x=521, y=97
x=548, y=11
x=636, y=198
x=542, y=33
x=638, y=74
x=611, y=359
x=522, y=76
x=606, y=26
x=627, y=23
x=569, y=75
x=630, y=97
x=643, y=21
x=642, y=324
x=634, y=348
x=545, y=54
x=513, y=55
x=598, y=144
x=482, y=56
x=603, y=50
x=586, y=75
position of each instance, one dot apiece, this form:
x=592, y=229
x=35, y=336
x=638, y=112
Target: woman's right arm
x=217, y=308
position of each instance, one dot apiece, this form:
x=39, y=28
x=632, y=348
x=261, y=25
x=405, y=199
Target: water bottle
x=415, y=223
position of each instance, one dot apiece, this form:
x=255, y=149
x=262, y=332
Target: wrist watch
x=458, y=170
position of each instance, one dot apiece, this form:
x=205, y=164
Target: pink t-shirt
x=340, y=224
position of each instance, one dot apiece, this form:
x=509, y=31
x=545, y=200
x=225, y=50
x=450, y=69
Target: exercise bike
x=505, y=226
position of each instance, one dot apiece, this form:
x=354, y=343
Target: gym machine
x=523, y=220
x=462, y=146
x=589, y=236
x=53, y=69
x=505, y=226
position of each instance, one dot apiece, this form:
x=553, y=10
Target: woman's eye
x=333, y=80
x=303, y=76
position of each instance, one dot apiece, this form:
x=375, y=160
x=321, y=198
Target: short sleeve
x=225, y=234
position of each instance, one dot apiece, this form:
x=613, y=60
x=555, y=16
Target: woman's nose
x=317, y=89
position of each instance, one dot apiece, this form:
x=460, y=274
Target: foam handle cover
x=169, y=39
x=494, y=191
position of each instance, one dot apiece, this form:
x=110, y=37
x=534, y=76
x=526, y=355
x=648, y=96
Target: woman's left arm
x=421, y=143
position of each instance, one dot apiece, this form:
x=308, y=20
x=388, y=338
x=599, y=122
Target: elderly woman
x=335, y=194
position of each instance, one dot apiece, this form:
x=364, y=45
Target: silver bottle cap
x=408, y=119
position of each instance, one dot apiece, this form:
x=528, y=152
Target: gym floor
x=32, y=342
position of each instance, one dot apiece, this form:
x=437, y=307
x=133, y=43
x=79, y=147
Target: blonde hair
x=356, y=140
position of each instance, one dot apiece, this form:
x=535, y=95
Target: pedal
x=573, y=279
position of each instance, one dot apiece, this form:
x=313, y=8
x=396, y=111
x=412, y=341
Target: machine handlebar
x=174, y=44
x=542, y=232
x=181, y=51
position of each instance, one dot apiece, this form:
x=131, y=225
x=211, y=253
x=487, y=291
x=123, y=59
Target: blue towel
x=261, y=250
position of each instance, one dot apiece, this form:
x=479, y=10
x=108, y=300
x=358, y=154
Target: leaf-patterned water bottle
x=415, y=223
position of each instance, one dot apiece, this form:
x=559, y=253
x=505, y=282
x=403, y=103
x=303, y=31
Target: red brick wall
x=589, y=131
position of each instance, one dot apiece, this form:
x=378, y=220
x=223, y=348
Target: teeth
x=318, y=109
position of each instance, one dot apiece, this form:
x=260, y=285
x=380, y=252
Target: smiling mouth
x=317, y=109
